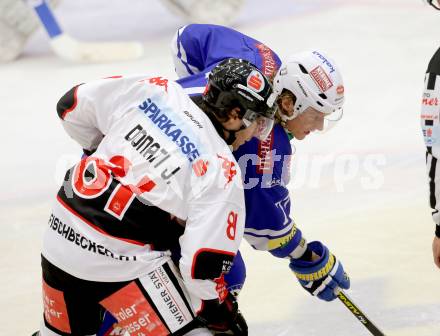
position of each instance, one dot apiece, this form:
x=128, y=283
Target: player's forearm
x=291, y=245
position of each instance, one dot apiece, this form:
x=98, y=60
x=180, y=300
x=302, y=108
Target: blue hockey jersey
x=265, y=165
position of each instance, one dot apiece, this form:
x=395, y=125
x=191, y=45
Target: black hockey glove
x=223, y=317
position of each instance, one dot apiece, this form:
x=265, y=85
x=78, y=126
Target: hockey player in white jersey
x=430, y=122
x=154, y=156
x=309, y=90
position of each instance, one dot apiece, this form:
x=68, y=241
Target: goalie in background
x=18, y=23
x=222, y=12
x=430, y=114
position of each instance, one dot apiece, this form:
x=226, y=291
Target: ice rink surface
x=360, y=188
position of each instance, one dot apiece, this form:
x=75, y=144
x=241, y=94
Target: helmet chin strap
x=285, y=117
x=296, y=112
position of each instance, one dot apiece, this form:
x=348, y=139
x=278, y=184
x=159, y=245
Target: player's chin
x=302, y=135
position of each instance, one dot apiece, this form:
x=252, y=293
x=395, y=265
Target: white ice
x=360, y=188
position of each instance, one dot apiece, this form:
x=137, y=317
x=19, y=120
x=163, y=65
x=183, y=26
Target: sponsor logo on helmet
x=324, y=61
x=302, y=88
x=321, y=78
x=340, y=89
x=255, y=81
x=241, y=93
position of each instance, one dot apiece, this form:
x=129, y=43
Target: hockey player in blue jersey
x=310, y=91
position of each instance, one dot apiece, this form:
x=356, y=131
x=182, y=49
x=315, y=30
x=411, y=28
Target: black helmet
x=237, y=83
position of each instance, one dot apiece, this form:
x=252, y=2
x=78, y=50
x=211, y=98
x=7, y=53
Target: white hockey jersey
x=155, y=154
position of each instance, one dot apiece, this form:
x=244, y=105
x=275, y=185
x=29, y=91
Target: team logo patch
x=200, y=167
x=221, y=287
x=229, y=169
x=321, y=78
x=159, y=81
x=255, y=81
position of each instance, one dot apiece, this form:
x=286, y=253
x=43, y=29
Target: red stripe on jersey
x=75, y=102
x=73, y=212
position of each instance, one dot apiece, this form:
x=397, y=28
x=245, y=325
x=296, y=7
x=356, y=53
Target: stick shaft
x=359, y=314
x=46, y=17
x=69, y=48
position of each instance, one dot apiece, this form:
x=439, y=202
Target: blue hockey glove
x=320, y=277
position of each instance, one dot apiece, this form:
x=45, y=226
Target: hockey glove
x=320, y=277
x=223, y=317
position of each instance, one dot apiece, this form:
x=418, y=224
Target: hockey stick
x=68, y=48
x=358, y=313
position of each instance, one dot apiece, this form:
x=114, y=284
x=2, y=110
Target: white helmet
x=315, y=81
